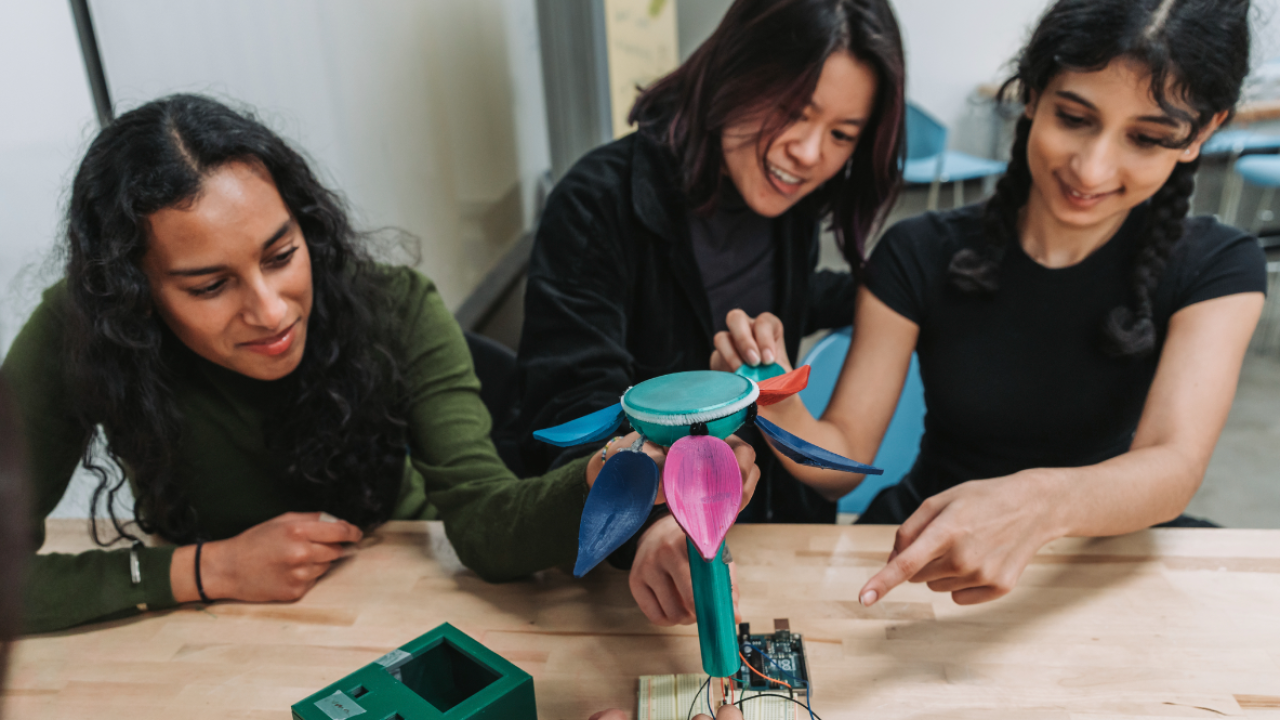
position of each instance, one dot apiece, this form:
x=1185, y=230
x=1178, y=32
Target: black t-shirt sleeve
x=1218, y=260
x=902, y=264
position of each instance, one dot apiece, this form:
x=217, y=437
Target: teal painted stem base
x=713, y=602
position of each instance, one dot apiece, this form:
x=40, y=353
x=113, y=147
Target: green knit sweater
x=502, y=527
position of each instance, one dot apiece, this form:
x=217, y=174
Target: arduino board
x=771, y=683
x=774, y=661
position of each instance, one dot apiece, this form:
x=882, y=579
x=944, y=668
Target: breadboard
x=669, y=697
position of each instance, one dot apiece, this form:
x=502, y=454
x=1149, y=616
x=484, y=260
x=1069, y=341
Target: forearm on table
x=1133, y=491
x=503, y=530
x=64, y=590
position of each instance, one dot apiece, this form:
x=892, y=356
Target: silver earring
x=848, y=169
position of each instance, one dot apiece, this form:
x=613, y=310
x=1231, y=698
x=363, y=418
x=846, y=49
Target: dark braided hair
x=1131, y=330
x=1197, y=52
x=341, y=432
x=978, y=271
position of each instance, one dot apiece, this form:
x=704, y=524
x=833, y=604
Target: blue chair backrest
x=926, y=137
x=901, y=441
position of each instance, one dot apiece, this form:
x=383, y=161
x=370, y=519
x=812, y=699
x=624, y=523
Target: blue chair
x=1238, y=141
x=1264, y=171
x=930, y=162
x=901, y=441
x=1234, y=143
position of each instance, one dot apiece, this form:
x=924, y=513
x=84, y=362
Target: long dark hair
x=1196, y=50
x=341, y=433
x=770, y=54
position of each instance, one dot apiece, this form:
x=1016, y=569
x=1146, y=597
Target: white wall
x=47, y=118
x=695, y=20
x=952, y=47
x=428, y=116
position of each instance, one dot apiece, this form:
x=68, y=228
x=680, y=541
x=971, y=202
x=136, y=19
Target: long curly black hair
x=1198, y=50
x=342, y=432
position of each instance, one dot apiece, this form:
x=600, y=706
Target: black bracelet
x=199, y=584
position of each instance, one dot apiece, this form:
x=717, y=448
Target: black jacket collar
x=659, y=203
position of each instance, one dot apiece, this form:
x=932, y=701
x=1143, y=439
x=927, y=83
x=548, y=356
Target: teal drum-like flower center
x=664, y=408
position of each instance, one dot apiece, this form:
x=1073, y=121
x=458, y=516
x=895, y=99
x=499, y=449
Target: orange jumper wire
x=766, y=677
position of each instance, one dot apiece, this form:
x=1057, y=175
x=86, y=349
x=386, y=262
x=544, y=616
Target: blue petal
x=806, y=453
x=618, y=504
x=588, y=428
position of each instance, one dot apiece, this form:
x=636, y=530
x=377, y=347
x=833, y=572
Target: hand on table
x=657, y=453
x=749, y=340
x=972, y=541
x=280, y=559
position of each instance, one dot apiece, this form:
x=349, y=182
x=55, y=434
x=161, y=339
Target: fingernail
x=753, y=358
x=326, y=517
x=868, y=598
x=768, y=357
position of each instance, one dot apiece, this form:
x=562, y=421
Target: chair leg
x=1232, y=186
x=933, y=193
x=1264, y=337
x=958, y=192
x=1264, y=205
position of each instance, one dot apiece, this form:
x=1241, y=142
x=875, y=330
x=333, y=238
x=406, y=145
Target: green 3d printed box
x=443, y=675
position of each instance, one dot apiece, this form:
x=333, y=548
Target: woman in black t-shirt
x=1079, y=338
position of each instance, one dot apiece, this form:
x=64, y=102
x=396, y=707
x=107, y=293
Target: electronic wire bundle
x=773, y=665
x=771, y=683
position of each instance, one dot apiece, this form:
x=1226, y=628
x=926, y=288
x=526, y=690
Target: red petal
x=777, y=389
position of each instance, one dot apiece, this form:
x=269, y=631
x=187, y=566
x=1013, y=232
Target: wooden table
x=1160, y=624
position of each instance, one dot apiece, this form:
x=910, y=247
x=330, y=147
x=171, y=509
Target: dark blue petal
x=618, y=504
x=806, y=453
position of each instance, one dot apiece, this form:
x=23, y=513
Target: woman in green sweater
x=256, y=380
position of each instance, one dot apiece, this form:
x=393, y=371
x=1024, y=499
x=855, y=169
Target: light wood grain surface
x=1160, y=624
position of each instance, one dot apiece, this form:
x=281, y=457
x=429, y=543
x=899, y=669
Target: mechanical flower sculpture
x=690, y=413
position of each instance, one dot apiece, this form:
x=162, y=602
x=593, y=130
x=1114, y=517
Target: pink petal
x=704, y=489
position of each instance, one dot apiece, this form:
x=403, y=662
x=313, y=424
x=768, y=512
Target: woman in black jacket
x=789, y=114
